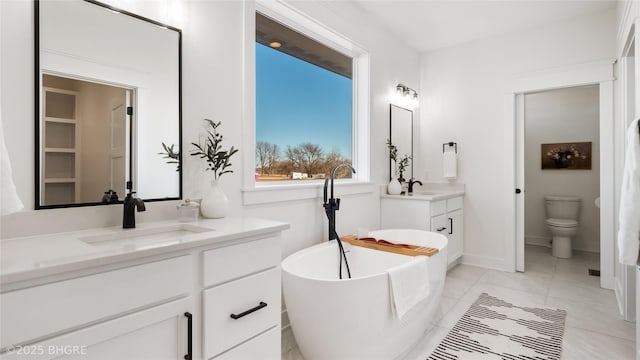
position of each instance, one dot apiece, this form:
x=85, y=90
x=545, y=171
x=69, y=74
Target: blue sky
x=298, y=102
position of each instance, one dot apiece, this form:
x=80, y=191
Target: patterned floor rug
x=495, y=329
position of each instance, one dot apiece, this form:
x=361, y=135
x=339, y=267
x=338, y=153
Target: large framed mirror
x=401, y=135
x=107, y=98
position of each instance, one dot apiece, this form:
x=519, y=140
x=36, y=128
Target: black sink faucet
x=129, y=215
x=411, y=183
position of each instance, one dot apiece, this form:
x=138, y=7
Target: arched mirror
x=108, y=105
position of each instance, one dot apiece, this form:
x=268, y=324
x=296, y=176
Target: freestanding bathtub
x=352, y=319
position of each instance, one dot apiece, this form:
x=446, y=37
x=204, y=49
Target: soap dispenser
x=187, y=211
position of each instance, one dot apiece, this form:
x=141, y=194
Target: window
x=304, y=106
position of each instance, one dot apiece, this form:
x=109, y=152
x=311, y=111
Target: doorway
x=561, y=156
x=597, y=73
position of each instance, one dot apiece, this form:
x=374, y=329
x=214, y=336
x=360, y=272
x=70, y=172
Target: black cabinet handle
x=450, y=226
x=441, y=229
x=189, y=355
x=260, y=306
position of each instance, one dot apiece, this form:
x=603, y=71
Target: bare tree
x=307, y=157
x=262, y=156
x=334, y=158
x=267, y=155
x=273, y=156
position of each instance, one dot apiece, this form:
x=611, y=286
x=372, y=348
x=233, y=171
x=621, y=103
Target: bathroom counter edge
x=434, y=196
x=31, y=257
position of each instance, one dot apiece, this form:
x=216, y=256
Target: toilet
x=562, y=220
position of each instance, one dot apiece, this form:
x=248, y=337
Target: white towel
x=9, y=200
x=629, y=231
x=408, y=285
x=449, y=164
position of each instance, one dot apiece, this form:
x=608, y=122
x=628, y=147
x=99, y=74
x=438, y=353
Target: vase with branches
x=402, y=166
x=394, y=187
x=218, y=160
x=215, y=203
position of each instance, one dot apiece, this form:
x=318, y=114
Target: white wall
x=213, y=33
x=559, y=116
x=462, y=88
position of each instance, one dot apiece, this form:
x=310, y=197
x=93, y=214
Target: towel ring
x=450, y=144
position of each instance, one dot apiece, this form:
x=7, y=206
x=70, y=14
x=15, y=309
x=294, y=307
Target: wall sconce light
x=406, y=95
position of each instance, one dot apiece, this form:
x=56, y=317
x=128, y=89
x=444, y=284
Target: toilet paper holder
x=451, y=144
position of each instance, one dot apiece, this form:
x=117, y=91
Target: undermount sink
x=427, y=192
x=154, y=234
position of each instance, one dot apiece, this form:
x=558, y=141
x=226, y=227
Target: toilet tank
x=562, y=207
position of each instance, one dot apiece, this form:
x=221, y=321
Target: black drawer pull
x=441, y=229
x=260, y=306
x=450, y=226
x=189, y=355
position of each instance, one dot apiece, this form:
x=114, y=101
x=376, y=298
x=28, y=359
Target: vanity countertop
x=427, y=195
x=26, y=258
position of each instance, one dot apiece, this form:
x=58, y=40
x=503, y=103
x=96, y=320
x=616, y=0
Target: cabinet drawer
x=454, y=203
x=232, y=262
x=222, y=332
x=438, y=207
x=155, y=333
x=440, y=225
x=42, y=310
x=264, y=347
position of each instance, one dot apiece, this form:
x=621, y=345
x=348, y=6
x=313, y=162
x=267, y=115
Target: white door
x=519, y=190
x=625, y=276
x=118, y=144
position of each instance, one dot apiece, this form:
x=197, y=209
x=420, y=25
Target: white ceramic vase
x=394, y=187
x=214, y=204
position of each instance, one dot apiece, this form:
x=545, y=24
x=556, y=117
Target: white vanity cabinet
x=131, y=312
x=214, y=300
x=444, y=216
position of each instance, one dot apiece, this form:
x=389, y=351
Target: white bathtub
x=352, y=319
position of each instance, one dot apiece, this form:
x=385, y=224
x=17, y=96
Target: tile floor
x=594, y=329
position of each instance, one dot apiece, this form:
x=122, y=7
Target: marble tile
x=564, y=266
x=427, y=344
x=535, y=283
x=466, y=272
x=601, y=319
x=542, y=265
x=517, y=297
x=579, y=278
x=288, y=341
x=455, y=287
x=293, y=354
x=581, y=344
x=571, y=290
x=446, y=303
x=452, y=316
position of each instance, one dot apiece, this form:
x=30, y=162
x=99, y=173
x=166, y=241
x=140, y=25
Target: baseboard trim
x=537, y=240
x=485, y=262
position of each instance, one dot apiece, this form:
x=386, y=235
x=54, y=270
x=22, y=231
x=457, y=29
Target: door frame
x=595, y=73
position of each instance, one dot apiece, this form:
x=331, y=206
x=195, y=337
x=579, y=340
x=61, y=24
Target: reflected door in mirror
x=86, y=152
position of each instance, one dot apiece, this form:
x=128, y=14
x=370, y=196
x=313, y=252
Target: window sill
x=264, y=194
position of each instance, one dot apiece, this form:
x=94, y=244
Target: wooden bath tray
x=382, y=245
